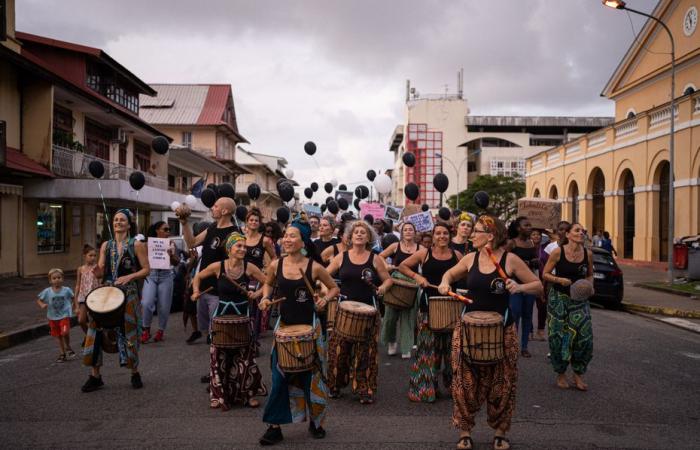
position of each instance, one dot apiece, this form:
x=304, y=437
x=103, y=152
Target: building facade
x=618, y=179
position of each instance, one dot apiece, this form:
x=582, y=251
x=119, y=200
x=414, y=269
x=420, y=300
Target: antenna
x=460, y=83
x=408, y=90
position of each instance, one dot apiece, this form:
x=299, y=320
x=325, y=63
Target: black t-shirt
x=214, y=250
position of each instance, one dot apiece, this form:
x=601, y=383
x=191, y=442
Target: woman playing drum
x=234, y=376
x=433, y=347
x=122, y=262
x=570, y=329
x=399, y=252
x=295, y=395
x=488, y=278
x=360, y=273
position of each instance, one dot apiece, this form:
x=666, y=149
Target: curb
x=669, y=321
x=664, y=311
x=666, y=290
x=27, y=334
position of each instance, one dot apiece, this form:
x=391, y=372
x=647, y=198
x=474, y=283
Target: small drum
x=482, y=337
x=402, y=294
x=443, y=313
x=230, y=331
x=106, y=305
x=355, y=321
x=331, y=311
x=295, y=348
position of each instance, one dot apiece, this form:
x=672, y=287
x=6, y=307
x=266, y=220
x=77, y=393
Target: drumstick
x=306, y=282
x=454, y=295
x=204, y=292
x=501, y=272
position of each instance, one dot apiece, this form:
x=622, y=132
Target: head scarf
x=232, y=239
x=487, y=222
x=466, y=217
x=127, y=213
x=301, y=224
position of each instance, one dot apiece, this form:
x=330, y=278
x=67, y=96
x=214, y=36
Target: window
x=689, y=89
x=471, y=166
x=50, y=228
x=187, y=139
x=142, y=157
x=507, y=167
x=108, y=83
x=545, y=141
x=97, y=139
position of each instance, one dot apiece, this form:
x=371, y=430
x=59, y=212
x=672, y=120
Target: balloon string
x=104, y=208
x=314, y=158
x=137, y=212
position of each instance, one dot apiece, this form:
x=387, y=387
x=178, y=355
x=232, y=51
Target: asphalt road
x=643, y=394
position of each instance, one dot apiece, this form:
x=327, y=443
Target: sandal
x=500, y=443
x=253, y=403
x=465, y=443
x=366, y=399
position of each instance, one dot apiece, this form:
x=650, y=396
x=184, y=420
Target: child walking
x=86, y=282
x=58, y=301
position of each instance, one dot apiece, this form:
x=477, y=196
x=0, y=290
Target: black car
x=607, y=279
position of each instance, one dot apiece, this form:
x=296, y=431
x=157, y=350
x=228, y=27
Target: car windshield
x=599, y=258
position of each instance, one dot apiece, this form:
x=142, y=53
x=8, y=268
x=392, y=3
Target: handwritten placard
x=423, y=221
x=312, y=210
x=542, y=213
x=158, y=257
x=373, y=208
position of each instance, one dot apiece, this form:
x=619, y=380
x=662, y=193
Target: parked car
x=607, y=279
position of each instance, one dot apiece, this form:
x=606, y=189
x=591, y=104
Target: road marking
x=690, y=355
x=682, y=323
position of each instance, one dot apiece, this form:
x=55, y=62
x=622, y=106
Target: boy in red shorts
x=58, y=302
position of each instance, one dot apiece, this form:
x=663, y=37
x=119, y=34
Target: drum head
x=295, y=330
x=104, y=299
x=357, y=307
x=482, y=317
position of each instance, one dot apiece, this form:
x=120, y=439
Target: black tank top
x=229, y=293
x=433, y=270
x=400, y=256
x=298, y=307
x=352, y=278
x=574, y=271
x=529, y=257
x=214, y=250
x=488, y=290
x=464, y=248
x=255, y=254
x=321, y=246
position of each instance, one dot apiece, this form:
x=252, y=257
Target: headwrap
x=466, y=217
x=232, y=239
x=301, y=224
x=127, y=213
x=488, y=222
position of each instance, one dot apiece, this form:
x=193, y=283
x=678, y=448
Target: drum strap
x=234, y=305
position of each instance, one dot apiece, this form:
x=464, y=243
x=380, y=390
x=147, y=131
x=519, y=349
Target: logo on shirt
x=498, y=286
x=126, y=262
x=302, y=295
x=368, y=275
x=583, y=270
x=256, y=252
x=215, y=243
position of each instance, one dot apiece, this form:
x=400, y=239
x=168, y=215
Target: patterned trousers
x=570, y=333
x=354, y=361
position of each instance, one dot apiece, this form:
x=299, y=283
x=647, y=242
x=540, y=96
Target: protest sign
x=373, y=208
x=542, y=213
x=158, y=257
x=423, y=221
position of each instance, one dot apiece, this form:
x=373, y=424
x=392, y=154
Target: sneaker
x=406, y=355
x=136, y=382
x=159, y=336
x=70, y=353
x=92, y=384
x=145, y=336
x=316, y=432
x=61, y=358
x=194, y=336
x=391, y=348
x=272, y=436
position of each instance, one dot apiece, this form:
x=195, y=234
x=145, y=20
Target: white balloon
x=175, y=205
x=289, y=173
x=334, y=182
x=191, y=201
x=382, y=183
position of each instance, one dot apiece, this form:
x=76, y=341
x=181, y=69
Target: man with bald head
x=212, y=241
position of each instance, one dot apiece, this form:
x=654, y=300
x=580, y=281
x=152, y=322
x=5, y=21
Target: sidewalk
x=645, y=300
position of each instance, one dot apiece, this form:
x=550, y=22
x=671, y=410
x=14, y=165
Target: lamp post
x=619, y=4
x=456, y=169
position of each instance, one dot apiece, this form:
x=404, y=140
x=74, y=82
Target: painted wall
x=37, y=121
x=9, y=239
x=10, y=103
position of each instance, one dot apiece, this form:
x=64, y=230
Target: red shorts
x=60, y=327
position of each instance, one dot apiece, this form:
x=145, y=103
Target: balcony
x=68, y=163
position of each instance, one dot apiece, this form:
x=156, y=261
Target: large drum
x=482, y=337
x=295, y=348
x=443, y=313
x=331, y=312
x=402, y=294
x=230, y=331
x=106, y=305
x=355, y=321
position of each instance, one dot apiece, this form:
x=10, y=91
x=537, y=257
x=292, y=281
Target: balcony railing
x=68, y=163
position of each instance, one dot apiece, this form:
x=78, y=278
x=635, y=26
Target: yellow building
x=617, y=179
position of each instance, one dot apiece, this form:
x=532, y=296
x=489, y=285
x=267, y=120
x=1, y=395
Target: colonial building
x=617, y=179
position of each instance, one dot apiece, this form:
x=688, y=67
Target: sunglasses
x=167, y=230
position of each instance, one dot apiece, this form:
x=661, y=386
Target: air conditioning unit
x=119, y=135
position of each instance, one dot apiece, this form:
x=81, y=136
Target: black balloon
x=310, y=148
x=160, y=145
x=286, y=191
x=343, y=204
x=411, y=191
x=214, y=188
x=308, y=192
x=481, y=199
x=365, y=191
x=441, y=182
x=425, y=207
x=208, y=197
x=241, y=212
x=96, y=169
x=371, y=175
x=356, y=204
x=137, y=180
x=333, y=207
x=409, y=159
x=329, y=199
x=254, y=191
x=280, y=182
x=227, y=190
x=323, y=208
x=444, y=213
x=282, y=214
x=328, y=187
x=358, y=192
x=314, y=186
x=342, y=187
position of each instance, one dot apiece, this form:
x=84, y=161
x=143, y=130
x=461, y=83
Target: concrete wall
x=9, y=239
x=37, y=121
x=10, y=103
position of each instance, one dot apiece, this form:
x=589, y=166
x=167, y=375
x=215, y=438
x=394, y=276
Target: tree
x=504, y=192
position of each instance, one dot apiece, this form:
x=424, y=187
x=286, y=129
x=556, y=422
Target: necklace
x=115, y=256
x=228, y=266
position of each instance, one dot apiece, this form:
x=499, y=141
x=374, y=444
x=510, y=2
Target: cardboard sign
x=393, y=213
x=542, y=213
x=312, y=210
x=158, y=257
x=375, y=209
x=423, y=221
x=409, y=210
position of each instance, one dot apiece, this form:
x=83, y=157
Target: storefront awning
x=10, y=189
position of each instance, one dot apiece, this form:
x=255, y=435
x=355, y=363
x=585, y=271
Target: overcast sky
x=334, y=71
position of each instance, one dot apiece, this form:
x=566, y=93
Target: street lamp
x=619, y=4
x=456, y=168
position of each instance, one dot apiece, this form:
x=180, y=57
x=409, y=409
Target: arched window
x=688, y=89
x=536, y=194
x=631, y=114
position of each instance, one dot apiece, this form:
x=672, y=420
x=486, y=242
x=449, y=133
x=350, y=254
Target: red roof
x=215, y=105
x=19, y=161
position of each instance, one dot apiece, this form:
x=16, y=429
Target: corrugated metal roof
x=187, y=103
x=214, y=105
